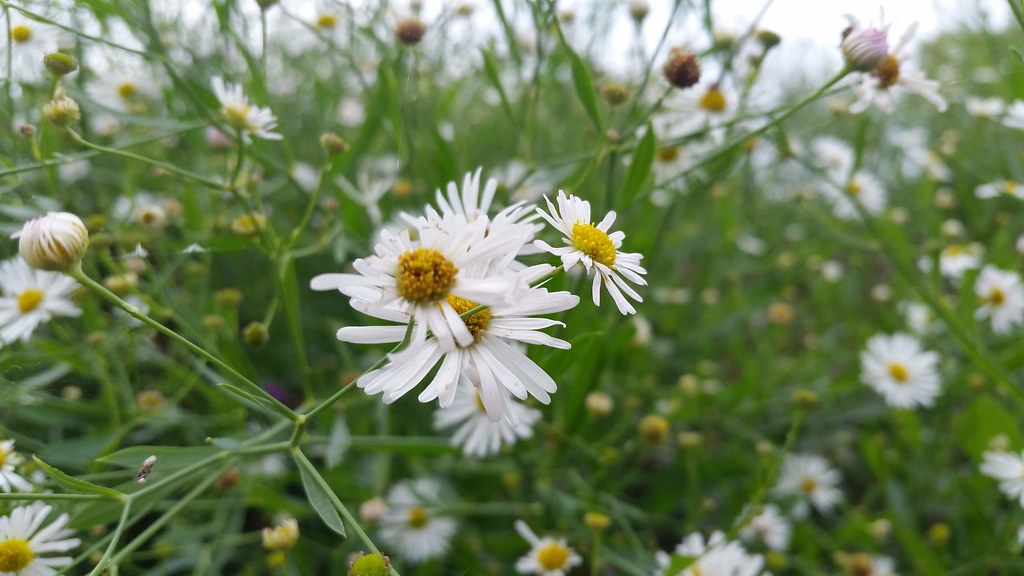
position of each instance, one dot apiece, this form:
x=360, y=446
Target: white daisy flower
x=23, y=540
x=863, y=188
x=999, y=188
x=919, y=317
x=917, y=157
x=770, y=527
x=477, y=434
x=547, y=556
x=833, y=155
x=1001, y=296
x=985, y=107
x=897, y=368
x=595, y=248
x=956, y=259
x=30, y=298
x=1008, y=469
x=411, y=526
x=716, y=556
x=1014, y=117
x=241, y=115
x=811, y=480
x=30, y=41
x=9, y=461
x=875, y=85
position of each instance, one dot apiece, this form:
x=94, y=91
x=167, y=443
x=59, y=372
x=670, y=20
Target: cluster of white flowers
x=716, y=555
x=452, y=281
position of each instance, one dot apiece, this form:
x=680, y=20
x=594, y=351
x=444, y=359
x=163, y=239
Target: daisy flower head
x=1014, y=117
x=876, y=86
x=986, y=107
x=833, y=155
x=476, y=433
x=30, y=41
x=594, y=247
x=812, y=480
x=900, y=370
x=1000, y=188
x=241, y=115
x=861, y=188
x=1008, y=469
x=547, y=556
x=9, y=461
x=770, y=527
x=411, y=526
x=956, y=259
x=1001, y=298
x=31, y=297
x=714, y=556
x=23, y=540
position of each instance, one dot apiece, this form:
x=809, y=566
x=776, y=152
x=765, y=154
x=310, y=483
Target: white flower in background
x=56, y=241
x=1001, y=296
x=30, y=298
x=73, y=171
x=10, y=481
x=900, y=370
x=241, y=115
x=714, y=557
x=956, y=259
x=834, y=156
x=476, y=434
x=30, y=41
x=305, y=175
x=871, y=565
x=595, y=248
x=1000, y=188
x=876, y=86
x=862, y=188
x=351, y=112
x=831, y=271
x=1008, y=469
x=917, y=157
x=547, y=556
x=985, y=107
x=24, y=540
x=1015, y=115
x=411, y=526
x=919, y=317
x=810, y=479
x=770, y=527
x=282, y=536
x=145, y=210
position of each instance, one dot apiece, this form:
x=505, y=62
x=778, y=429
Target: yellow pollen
x=553, y=556
x=898, y=372
x=1009, y=186
x=29, y=299
x=477, y=322
x=402, y=187
x=424, y=275
x=3, y=456
x=327, y=21
x=953, y=250
x=853, y=189
x=997, y=297
x=21, y=34
x=588, y=239
x=15, y=555
x=238, y=117
x=808, y=485
x=667, y=155
x=418, y=517
x=713, y=100
x=126, y=90
x=888, y=72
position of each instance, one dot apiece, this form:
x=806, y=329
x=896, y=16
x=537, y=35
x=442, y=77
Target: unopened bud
x=333, y=144
x=55, y=242
x=60, y=64
x=864, y=49
x=255, y=335
x=596, y=521
x=805, y=399
x=62, y=111
x=370, y=565
x=410, y=31
x=615, y=94
x=653, y=429
x=682, y=69
x=281, y=537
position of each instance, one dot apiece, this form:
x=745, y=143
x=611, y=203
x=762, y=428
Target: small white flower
x=30, y=298
x=811, y=480
x=477, y=434
x=999, y=188
x=31, y=40
x=1001, y=296
x=9, y=461
x=547, y=556
x=770, y=527
x=875, y=87
x=57, y=241
x=24, y=540
x=834, y=156
x=711, y=558
x=985, y=107
x=412, y=527
x=1015, y=115
x=241, y=115
x=282, y=536
x=831, y=271
x=919, y=317
x=955, y=260
x=862, y=188
x=897, y=368
x=1008, y=469
x=595, y=248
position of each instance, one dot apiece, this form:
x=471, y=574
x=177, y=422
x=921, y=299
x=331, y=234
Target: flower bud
x=255, y=335
x=55, y=242
x=615, y=94
x=281, y=537
x=638, y=9
x=333, y=144
x=60, y=64
x=682, y=69
x=596, y=521
x=370, y=565
x=410, y=31
x=62, y=110
x=864, y=49
x=653, y=429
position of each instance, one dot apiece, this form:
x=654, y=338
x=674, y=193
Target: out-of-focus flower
x=900, y=370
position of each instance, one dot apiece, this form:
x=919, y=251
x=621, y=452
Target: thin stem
x=53, y=497
x=121, y=525
x=249, y=385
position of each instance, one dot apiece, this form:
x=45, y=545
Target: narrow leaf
x=491, y=71
x=318, y=493
x=639, y=167
x=585, y=89
x=76, y=484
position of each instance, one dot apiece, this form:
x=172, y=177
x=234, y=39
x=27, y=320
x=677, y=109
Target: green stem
x=121, y=525
x=52, y=497
x=114, y=299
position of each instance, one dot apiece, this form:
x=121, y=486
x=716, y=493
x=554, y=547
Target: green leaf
x=319, y=493
x=75, y=484
x=338, y=443
x=491, y=71
x=167, y=457
x=984, y=419
x=585, y=90
x=639, y=167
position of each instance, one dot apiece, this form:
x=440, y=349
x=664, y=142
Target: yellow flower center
x=425, y=275
x=888, y=72
x=553, y=556
x=594, y=243
x=238, y=117
x=667, y=155
x=898, y=372
x=15, y=555
x=402, y=188
x=327, y=21
x=126, y=90
x=3, y=456
x=418, y=517
x=953, y=250
x=808, y=485
x=853, y=189
x=1009, y=186
x=29, y=299
x=21, y=34
x=476, y=322
x=997, y=297
x=713, y=100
